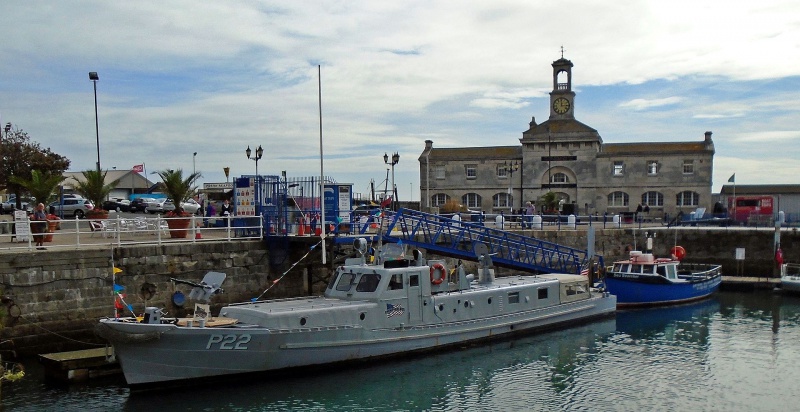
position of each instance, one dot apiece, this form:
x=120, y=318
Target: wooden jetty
x=80, y=365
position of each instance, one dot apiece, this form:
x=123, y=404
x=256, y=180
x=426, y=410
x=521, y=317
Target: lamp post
x=395, y=160
x=257, y=157
x=194, y=169
x=94, y=78
x=510, y=169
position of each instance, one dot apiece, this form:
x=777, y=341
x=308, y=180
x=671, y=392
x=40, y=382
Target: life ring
x=442, y=273
x=678, y=252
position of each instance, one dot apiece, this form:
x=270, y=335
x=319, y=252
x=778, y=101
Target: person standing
x=39, y=225
x=530, y=210
x=226, y=211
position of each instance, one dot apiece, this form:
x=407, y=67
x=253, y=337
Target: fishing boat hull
x=633, y=291
x=790, y=278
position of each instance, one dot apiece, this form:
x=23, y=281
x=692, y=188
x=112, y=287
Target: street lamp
x=395, y=160
x=257, y=157
x=194, y=169
x=94, y=78
x=510, y=169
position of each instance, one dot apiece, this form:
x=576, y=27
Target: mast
x=321, y=170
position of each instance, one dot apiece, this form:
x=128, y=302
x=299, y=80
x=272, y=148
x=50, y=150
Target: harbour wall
x=51, y=300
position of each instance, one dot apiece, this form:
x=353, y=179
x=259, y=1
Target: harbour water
x=736, y=351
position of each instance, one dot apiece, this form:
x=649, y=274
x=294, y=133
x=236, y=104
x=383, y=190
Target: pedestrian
x=39, y=225
x=226, y=211
x=530, y=210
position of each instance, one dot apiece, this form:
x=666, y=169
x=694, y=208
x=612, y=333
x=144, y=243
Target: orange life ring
x=679, y=252
x=442, y=273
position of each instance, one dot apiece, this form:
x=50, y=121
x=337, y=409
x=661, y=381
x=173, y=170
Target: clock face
x=561, y=105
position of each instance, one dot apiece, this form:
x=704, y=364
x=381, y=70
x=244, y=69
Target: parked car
x=120, y=205
x=140, y=204
x=189, y=206
x=71, y=207
x=156, y=206
x=10, y=205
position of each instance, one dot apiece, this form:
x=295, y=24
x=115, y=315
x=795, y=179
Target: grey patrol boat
x=388, y=307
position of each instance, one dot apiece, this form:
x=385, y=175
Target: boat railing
x=698, y=271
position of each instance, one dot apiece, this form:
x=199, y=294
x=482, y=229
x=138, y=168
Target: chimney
x=428, y=145
x=708, y=137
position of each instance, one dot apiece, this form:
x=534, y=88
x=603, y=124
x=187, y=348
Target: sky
x=214, y=77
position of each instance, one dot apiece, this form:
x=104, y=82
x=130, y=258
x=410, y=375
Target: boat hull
x=790, y=284
x=164, y=353
x=632, y=292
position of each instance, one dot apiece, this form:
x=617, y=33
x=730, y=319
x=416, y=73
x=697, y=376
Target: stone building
x=570, y=159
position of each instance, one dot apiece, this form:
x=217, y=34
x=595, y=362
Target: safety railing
x=118, y=230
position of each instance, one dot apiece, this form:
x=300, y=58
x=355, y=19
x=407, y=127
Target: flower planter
x=178, y=228
x=52, y=225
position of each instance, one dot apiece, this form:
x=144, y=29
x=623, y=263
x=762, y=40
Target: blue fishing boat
x=644, y=280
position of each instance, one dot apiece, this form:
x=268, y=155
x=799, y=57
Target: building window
x=471, y=200
x=472, y=171
x=653, y=199
x=652, y=167
x=502, y=200
x=559, y=178
x=687, y=198
x=619, y=167
x=502, y=171
x=438, y=172
x=618, y=199
x=688, y=167
x=439, y=199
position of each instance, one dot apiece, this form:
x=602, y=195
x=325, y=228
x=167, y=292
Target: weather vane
x=562, y=51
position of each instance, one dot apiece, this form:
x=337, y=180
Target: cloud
x=644, y=104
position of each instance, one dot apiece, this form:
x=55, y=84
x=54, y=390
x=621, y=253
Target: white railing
x=118, y=230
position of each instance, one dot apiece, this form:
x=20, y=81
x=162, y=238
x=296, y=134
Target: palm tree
x=178, y=188
x=550, y=201
x=94, y=187
x=41, y=185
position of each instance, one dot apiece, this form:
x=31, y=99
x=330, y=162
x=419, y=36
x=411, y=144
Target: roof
x=559, y=126
x=655, y=147
x=477, y=153
x=127, y=179
x=744, y=190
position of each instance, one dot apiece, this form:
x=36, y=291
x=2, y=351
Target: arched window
x=439, y=199
x=653, y=199
x=687, y=198
x=502, y=200
x=471, y=200
x=559, y=178
x=617, y=199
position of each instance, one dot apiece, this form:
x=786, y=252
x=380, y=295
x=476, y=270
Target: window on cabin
x=368, y=282
x=413, y=280
x=543, y=293
x=396, y=282
x=513, y=297
x=345, y=282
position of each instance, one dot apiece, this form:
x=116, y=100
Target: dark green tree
x=93, y=186
x=20, y=156
x=178, y=188
x=40, y=185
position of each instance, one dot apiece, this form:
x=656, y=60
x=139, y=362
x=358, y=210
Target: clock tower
x=562, y=98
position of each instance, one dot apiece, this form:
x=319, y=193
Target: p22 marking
x=229, y=342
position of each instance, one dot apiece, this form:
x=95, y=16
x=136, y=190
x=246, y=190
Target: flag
x=732, y=179
x=386, y=202
x=394, y=310
x=138, y=168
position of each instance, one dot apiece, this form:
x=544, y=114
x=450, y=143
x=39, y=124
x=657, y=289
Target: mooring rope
x=275, y=282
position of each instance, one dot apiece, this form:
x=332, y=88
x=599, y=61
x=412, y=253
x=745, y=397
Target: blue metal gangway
x=458, y=239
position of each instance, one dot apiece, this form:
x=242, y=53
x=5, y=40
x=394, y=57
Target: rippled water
x=736, y=351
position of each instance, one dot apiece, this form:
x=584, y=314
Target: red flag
x=138, y=168
x=386, y=202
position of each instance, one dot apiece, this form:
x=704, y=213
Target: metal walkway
x=458, y=239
